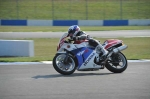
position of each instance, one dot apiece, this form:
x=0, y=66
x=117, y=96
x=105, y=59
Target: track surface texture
x=111, y=34
x=41, y=81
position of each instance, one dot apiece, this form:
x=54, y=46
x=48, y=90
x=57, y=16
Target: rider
x=77, y=35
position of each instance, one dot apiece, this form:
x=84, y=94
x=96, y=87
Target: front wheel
x=64, y=68
x=117, y=63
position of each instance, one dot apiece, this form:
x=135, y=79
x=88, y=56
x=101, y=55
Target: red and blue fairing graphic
x=82, y=54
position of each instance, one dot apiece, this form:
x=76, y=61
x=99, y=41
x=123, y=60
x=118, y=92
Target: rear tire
x=60, y=67
x=117, y=60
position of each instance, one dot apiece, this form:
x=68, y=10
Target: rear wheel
x=64, y=68
x=117, y=63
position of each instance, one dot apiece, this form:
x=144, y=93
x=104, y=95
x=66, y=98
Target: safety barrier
x=20, y=48
x=132, y=22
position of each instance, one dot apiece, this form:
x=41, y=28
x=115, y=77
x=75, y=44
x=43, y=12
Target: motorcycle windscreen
x=82, y=54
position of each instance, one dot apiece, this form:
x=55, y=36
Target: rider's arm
x=81, y=36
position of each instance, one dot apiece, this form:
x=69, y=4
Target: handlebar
x=68, y=41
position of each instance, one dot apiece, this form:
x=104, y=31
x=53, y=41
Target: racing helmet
x=73, y=30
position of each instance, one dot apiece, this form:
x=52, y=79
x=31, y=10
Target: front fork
x=66, y=58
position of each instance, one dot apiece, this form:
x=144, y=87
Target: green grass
x=75, y=9
x=65, y=28
x=45, y=49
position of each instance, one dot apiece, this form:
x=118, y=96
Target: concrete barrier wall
x=115, y=23
x=21, y=48
x=136, y=22
x=39, y=22
x=64, y=22
x=90, y=22
x=14, y=22
x=132, y=22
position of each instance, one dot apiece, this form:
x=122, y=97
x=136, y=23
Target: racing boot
x=104, y=52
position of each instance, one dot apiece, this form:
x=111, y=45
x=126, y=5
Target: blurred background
x=75, y=9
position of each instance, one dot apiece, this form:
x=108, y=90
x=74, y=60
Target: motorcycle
x=83, y=57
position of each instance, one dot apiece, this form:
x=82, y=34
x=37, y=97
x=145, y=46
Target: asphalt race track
x=41, y=81
x=111, y=34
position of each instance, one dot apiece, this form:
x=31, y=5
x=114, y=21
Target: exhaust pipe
x=118, y=49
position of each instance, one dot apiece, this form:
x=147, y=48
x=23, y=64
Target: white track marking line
x=50, y=62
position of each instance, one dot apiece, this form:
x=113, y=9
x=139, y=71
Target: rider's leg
x=97, y=44
x=103, y=50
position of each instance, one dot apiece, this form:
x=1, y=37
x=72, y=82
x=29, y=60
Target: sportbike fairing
x=112, y=42
x=85, y=57
x=61, y=41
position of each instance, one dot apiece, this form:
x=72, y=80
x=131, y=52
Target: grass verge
x=45, y=49
x=65, y=28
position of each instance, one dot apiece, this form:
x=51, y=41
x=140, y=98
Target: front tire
x=117, y=63
x=64, y=68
